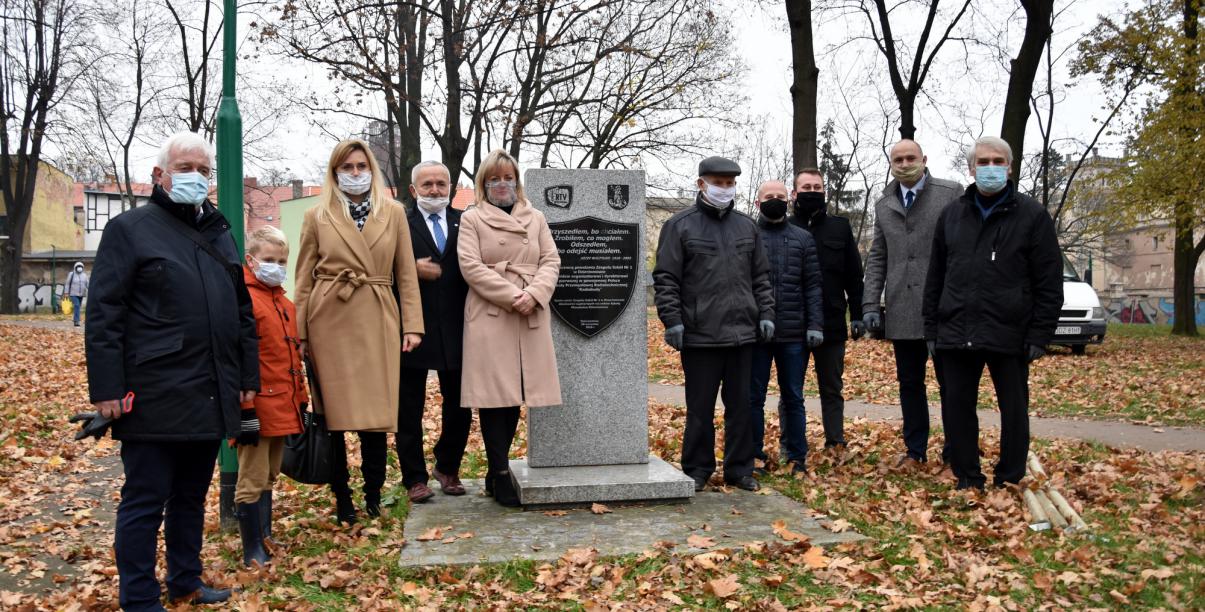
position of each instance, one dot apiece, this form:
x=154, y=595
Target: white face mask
x=431, y=206
x=270, y=274
x=716, y=196
x=354, y=184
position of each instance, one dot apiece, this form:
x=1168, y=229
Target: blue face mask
x=189, y=188
x=270, y=274
x=991, y=179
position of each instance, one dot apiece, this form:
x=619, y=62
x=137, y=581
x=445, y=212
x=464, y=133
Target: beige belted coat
x=508, y=358
x=347, y=313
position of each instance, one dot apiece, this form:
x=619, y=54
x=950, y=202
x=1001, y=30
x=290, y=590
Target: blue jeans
x=76, y=302
x=791, y=360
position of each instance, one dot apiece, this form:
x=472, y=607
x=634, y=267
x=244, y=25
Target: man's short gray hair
x=991, y=142
x=181, y=142
x=426, y=164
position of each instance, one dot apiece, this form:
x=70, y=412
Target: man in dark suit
x=434, y=227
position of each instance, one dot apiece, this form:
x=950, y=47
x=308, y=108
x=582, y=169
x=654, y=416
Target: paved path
x=1109, y=433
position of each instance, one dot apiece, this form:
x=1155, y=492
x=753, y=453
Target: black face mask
x=808, y=203
x=774, y=209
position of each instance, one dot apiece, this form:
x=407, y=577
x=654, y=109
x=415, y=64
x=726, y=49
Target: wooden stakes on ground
x=1046, y=505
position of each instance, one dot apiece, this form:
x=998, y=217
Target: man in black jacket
x=798, y=322
x=170, y=334
x=992, y=297
x=713, y=293
x=434, y=227
x=841, y=272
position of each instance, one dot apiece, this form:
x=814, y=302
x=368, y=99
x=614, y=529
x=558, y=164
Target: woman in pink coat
x=511, y=265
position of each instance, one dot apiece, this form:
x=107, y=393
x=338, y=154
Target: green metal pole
x=230, y=202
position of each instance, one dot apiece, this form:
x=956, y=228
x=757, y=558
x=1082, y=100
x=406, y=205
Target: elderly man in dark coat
x=904, y=219
x=992, y=298
x=172, y=352
x=713, y=293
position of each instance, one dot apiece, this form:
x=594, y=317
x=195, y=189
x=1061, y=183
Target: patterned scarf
x=359, y=212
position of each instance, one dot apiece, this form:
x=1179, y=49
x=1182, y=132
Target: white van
x=1082, y=319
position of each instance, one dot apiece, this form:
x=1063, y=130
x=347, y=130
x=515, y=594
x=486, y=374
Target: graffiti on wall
x=34, y=297
x=1148, y=310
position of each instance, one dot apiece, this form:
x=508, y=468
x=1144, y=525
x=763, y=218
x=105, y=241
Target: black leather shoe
x=204, y=595
x=504, y=490
x=345, y=510
x=700, y=483
x=372, y=503
x=747, y=483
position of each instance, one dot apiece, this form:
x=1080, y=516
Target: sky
x=969, y=96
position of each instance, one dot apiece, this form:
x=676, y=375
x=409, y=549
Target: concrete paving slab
x=559, y=486
x=502, y=534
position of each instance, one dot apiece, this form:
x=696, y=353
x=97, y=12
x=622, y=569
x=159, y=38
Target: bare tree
x=43, y=57
x=1023, y=69
x=805, y=82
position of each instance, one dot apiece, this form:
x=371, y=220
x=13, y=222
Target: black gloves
x=1033, y=352
x=856, y=329
x=873, y=321
x=765, y=329
x=673, y=336
x=249, y=432
x=91, y=424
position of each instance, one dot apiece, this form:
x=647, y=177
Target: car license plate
x=1064, y=330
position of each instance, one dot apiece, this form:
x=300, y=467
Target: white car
x=1082, y=319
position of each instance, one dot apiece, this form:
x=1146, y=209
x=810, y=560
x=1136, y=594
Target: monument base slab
x=568, y=486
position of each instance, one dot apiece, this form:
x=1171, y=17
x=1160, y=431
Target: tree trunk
x=907, y=118
x=1024, y=68
x=18, y=210
x=803, y=88
x=1185, y=254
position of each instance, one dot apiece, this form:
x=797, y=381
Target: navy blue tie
x=438, y=231
x=908, y=200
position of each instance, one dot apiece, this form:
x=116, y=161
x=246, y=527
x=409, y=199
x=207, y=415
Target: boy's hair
x=267, y=235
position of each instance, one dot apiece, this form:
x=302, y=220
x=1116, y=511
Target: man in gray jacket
x=905, y=217
x=713, y=293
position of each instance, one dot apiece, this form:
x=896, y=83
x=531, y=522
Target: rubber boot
x=265, y=517
x=252, y=535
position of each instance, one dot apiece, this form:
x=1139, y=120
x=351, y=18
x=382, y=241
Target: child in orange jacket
x=276, y=410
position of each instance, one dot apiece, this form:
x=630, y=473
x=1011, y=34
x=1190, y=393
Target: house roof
x=77, y=194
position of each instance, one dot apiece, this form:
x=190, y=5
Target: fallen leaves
x=780, y=530
x=723, y=587
x=597, y=508
x=699, y=541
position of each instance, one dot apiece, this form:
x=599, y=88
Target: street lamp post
x=230, y=202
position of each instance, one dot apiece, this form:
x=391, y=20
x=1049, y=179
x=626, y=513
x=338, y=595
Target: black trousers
x=710, y=372
x=372, y=461
x=1010, y=376
x=830, y=373
x=498, y=427
x=910, y=359
x=165, y=484
x=454, y=431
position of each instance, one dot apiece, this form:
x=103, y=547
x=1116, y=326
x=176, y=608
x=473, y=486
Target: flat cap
x=720, y=166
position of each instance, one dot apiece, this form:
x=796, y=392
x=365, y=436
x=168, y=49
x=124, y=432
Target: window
x=1154, y=243
x=78, y=215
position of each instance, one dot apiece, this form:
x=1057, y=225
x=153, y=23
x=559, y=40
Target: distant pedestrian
x=713, y=294
x=76, y=288
x=992, y=298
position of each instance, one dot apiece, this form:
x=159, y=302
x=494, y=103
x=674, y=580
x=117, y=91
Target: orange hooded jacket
x=281, y=377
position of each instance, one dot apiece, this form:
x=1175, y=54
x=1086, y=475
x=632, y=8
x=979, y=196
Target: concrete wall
x=1148, y=310
x=52, y=217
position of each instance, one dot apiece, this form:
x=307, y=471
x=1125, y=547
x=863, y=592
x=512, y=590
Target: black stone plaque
x=599, y=261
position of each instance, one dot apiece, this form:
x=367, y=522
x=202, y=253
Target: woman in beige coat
x=511, y=265
x=354, y=254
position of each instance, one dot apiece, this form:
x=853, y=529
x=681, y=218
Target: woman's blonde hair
x=332, y=201
x=267, y=235
x=489, y=166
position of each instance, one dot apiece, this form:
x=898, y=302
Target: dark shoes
x=500, y=486
x=345, y=510
x=372, y=503
x=747, y=483
x=700, y=483
x=798, y=468
x=252, y=535
x=450, y=485
x=204, y=595
x=419, y=492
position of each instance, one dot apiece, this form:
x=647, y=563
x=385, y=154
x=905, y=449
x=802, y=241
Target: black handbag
x=307, y=455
